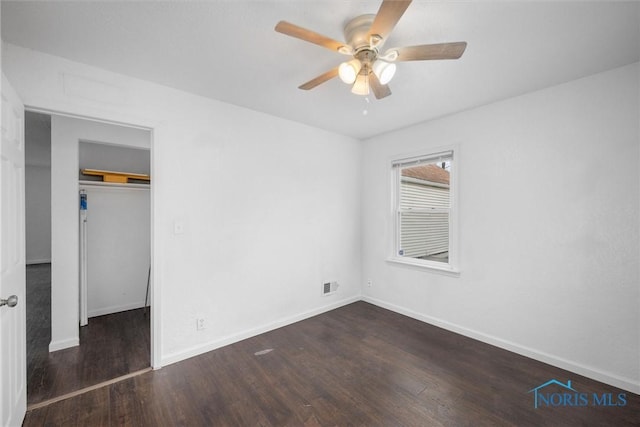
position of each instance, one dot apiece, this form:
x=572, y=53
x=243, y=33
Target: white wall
x=118, y=248
x=114, y=158
x=37, y=189
x=66, y=133
x=549, y=213
x=270, y=208
x=38, y=214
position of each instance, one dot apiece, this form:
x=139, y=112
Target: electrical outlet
x=199, y=324
x=369, y=282
x=178, y=227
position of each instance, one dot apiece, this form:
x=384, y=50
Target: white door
x=13, y=331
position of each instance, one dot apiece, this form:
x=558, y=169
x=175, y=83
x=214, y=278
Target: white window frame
x=452, y=267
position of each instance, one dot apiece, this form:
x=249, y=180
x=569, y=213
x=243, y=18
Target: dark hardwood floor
x=357, y=365
x=110, y=346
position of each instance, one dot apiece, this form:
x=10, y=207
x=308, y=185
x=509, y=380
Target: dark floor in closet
x=110, y=346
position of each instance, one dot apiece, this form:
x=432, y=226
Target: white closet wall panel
x=118, y=223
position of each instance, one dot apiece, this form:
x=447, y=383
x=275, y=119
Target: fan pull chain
x=367, y=101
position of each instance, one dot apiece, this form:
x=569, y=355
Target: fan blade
x=293, y=30
x=431, y=51
x=379, y=90
x=320, y=79
x=388, y=16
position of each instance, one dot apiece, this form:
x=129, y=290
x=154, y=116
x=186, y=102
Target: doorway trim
x=154, y=291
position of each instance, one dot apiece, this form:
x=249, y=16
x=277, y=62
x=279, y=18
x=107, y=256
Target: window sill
x=427, y=266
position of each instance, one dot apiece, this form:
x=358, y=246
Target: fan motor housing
x=356, y=32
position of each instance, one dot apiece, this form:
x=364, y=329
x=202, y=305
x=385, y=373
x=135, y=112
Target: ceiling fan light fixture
x=384, y=71
x=365, y=35
x=361, y=86
x=348, y=71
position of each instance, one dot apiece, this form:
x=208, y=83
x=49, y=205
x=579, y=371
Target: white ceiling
x=228, y=50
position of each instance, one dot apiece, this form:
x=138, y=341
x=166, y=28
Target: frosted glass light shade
x=348, y=71
x=361, y=86
x=384, y=71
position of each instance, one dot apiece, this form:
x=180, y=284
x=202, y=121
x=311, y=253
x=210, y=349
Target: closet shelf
x=116, y=177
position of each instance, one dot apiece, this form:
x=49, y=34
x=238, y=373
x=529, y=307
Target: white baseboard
x=38, y=261
x=206, y=347
x=101, y=311
x=62, y=344
x=589, y=372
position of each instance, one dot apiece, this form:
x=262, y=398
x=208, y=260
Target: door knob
x=12, y=301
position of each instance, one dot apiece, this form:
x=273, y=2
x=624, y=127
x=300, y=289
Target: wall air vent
x=329, y=288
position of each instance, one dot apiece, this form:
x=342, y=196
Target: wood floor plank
x=356, y=365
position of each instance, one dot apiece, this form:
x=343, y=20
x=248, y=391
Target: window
x=424, y=217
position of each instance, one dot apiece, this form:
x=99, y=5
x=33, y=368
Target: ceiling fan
x=365, y=35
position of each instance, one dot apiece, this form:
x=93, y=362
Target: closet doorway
x=63, y=356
